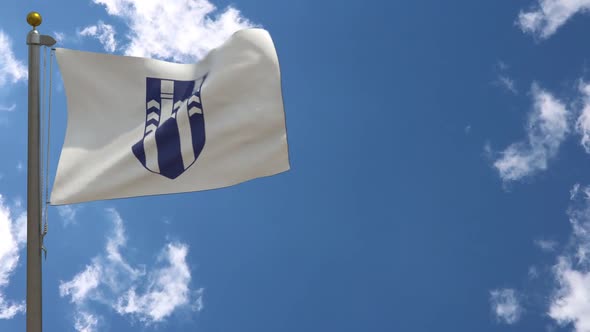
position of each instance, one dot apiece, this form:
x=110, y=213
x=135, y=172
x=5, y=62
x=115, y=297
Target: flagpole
x=34, y=302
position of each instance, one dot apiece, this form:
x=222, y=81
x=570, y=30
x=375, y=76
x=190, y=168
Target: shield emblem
x=174, y=133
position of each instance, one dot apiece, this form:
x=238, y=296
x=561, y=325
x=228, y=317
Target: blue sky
x=439, y=175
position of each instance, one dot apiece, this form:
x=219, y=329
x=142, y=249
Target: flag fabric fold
x=141, y=126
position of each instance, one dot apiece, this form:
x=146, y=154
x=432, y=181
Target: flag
x=140, y=126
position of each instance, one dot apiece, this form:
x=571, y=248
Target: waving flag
x=140, y=126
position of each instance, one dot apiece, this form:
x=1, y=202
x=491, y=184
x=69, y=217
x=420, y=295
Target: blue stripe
x=194, y=103
x=152, y=121
x=169, y=154
x=197, y=122
x=139, y=152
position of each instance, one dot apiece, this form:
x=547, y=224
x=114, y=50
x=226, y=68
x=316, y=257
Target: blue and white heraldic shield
x=174, y=133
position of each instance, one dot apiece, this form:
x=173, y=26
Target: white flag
x=144, y=127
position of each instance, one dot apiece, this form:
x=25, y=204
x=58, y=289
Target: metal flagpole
x=34, y=303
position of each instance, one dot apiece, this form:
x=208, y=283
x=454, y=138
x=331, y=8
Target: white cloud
x=502, y=66
x=548, y=15
x=503, y=80
x=105, y=34
x=11, y=69
x=583, y=122
x=148, y=295
x=10, y=108
x=507, y=83
x=167, y=288
x=505, y=305
x=546, y=245
x=117, y=268
x=86, y=322
x=547, y=129
x=13, y=236
x=574, y=191
x=82, y=284
x=60, y=37
x=579, y=216
x=570, y=303
x=67, y=213
x=569, y=298
x=180, y=30
x=198, y=304
x=10, y=309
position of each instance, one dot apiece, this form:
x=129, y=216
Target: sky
x=440, y=175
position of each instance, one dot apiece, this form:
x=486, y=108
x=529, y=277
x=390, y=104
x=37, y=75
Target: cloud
x=570, y=302
x=13, y=236
x=67, y=214
x=579, y=217
x=502, y=66
x=60, y=37
x=547, y=16
x=503, y=80
x=11, y=70
x=569, y=294
x=82, y=284
x=85, y=322
x=574, y=191
x=167, y=288
x=507, y=83
x=150, y=295
x=505, y=305
x=117, y=265
x=546, y=245
x=547, y=129
x=583, y=122
x=179, y=30
x=10, y=108
x=10, y=309
x=105, y=34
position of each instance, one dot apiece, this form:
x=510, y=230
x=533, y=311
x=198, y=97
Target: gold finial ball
x=34, y=19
